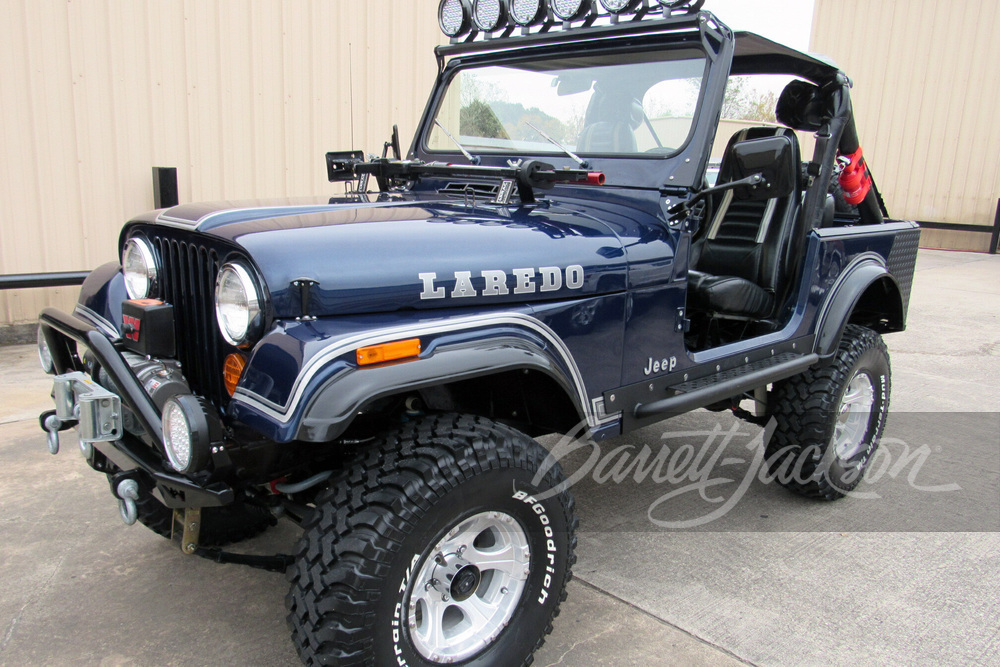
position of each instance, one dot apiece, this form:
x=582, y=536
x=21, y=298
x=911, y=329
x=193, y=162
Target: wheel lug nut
x=445, y=597
x=504, y=591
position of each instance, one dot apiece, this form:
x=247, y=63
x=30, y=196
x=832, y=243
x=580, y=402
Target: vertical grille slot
x=189, y=271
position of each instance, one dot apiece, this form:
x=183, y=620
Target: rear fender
x=865, y=280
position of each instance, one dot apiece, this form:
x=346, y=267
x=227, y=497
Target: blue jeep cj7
x=548, y=257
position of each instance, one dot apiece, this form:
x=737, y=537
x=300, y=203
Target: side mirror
x=777, y=162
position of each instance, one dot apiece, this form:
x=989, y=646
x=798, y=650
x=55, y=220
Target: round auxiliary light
x=526, y=12
x=619, y=6
x=188, y=432
x=45, y=354
x=489, y=15
x=139, y=268
x=237, y=304
x=455, y=17
x=569, y=10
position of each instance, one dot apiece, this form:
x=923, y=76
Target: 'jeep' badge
x=526, y=281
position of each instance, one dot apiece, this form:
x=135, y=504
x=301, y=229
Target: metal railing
x=975, y=229
x=32, y=280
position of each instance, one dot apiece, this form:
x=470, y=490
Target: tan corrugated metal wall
x=242, y=96
x=927, y=97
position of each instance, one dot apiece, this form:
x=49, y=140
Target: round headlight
x=189, y=430
x=569, y=10
x=237, y=304
x=489, y=15
x=45, y=354
x=139, y=268
x=454, y=17
x=619, y=6
x=526, y=12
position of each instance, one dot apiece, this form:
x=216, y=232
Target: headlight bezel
x=254, y=296
x=150, y=265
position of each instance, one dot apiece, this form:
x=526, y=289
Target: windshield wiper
x=583, y=163
x=469, y=156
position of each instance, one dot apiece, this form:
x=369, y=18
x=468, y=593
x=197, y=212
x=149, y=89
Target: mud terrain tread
x=348, y=540
x=803, y=406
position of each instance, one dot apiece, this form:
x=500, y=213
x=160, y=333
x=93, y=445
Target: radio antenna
x=350, y=78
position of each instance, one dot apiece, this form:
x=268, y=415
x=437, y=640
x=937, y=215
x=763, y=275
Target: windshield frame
x=690, y=49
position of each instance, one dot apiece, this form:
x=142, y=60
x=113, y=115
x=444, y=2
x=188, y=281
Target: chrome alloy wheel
x=468, y=587
x=854, y=417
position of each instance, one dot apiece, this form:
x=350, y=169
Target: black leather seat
x=743, y=254
x=610, y=124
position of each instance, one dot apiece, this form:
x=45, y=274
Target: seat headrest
x=610, y=107
x=802, y=106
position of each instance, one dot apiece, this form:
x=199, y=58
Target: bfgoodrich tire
x=431, y=548
x=831, y=417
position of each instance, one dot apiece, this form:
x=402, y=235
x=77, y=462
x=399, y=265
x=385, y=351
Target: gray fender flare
x=332, y=408
x=844, y=296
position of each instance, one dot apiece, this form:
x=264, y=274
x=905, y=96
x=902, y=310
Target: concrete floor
x=906, y=573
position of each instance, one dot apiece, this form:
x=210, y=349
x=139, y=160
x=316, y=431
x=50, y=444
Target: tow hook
x=52, y=425
x=128, y=494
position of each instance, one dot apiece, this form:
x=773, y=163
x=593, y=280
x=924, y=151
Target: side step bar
x=722, y=386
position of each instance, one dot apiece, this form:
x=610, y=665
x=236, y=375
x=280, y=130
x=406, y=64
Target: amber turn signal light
x=232, y=371
x=379, y=354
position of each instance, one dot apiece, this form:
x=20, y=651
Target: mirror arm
x=684, y=208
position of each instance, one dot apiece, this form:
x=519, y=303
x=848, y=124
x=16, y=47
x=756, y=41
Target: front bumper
x=142, y=455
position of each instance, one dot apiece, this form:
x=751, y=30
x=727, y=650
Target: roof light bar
x=459, y=18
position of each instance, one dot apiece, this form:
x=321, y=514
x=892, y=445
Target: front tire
x=431, y=548
x=830, y=418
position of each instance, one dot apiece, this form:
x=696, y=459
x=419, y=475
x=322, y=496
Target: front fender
x=100, y=300
x=317, y=401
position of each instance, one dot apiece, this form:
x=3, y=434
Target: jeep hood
x=413, y=252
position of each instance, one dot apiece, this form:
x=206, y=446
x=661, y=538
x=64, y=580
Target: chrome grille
x=188, y=272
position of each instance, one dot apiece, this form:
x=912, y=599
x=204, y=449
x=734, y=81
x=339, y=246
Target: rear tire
x=830, y=418
x=445, y=499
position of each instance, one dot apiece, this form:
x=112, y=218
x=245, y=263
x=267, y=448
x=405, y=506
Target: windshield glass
x=620, y=104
